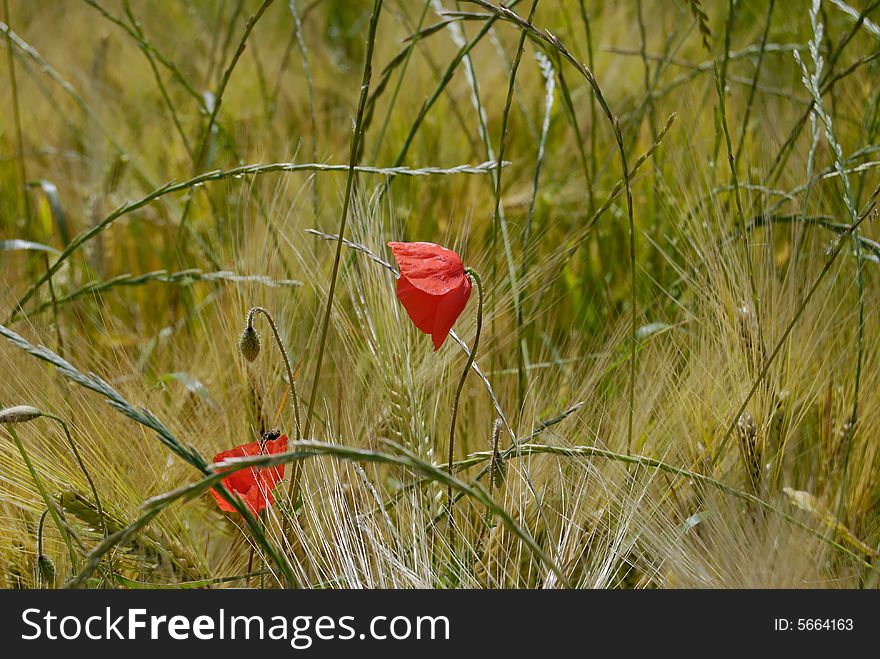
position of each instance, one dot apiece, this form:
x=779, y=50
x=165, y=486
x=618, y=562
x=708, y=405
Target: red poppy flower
x=253, y=485
x=433, y=287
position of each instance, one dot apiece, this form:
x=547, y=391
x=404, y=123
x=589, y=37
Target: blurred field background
x=733, y=351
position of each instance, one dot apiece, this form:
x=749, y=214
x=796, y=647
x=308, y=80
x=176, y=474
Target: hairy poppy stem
x=473, y=274
x=293, y=483
x=294, y=396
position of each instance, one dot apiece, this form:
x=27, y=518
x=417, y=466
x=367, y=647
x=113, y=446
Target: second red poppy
x=433, y=287
x=253, y=485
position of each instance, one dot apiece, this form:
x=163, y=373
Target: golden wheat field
x=662, y=368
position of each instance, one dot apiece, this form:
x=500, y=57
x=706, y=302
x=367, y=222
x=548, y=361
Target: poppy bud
x=249, y=343
x=19, y=414
x=47, y=570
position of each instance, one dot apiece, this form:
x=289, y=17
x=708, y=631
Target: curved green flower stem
x=294, y=396
x=50, y=505
x=293, y=483
x=473, y=274
x=82, y=467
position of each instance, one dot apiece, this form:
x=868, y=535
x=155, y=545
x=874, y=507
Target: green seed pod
x=19, y=414
x=47, y=570
x=249, y=343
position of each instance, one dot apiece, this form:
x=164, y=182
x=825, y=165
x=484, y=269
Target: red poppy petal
x=240, y=481
x=430, y=268
x=258, y=498
x=225, y=506
x=278, y=445
x=271, y=476
x=239, y=451
x=448, y=311
x=420, y=307
x=236, y=452
x=254, y=486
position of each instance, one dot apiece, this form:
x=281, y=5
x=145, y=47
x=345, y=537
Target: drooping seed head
x=19, y=414
x=249, y=343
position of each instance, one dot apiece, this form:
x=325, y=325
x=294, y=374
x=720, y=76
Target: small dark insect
x=269, y=435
